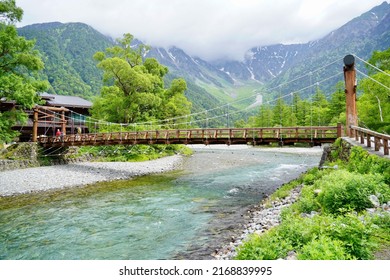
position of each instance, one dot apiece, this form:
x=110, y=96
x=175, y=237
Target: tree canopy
x=134, y=89
x=374, y=103
x=19, y=63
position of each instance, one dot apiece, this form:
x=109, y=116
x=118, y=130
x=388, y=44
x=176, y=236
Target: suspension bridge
x=314, y=135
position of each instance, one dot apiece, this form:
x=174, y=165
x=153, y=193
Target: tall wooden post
x=63, y=121
x=35, y=126
x=350, y=93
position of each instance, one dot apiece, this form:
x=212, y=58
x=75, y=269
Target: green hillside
x=67, y=51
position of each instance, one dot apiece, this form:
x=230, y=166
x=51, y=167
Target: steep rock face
x=263, y=63
x=193, y=68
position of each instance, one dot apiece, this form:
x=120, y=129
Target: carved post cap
x=349, y=61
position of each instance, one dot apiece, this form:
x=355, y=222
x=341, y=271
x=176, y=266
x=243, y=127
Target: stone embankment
x=26, y=155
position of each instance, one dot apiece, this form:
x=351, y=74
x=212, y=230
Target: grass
x=134, y=153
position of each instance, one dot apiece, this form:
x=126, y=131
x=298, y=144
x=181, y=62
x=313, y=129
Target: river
x=185, y=214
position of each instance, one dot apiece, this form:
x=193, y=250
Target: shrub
x=343, y=191
x=307, y=201
x=342, y=237
x=269, y=246
x=323, y=248
x=362, y=162
x=355, y=235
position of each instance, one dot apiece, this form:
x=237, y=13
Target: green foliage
x=380, y=59
x=67, y=51
x=133, y=153
x=320, y=237
x=323, y=248
x=9, y=12
x=134, y=88
x=307, y=202
x=343, y=191
x=362, y=162
x=315, y=112
x=19, y=65
x=356, y=235
x=269, y=246
x=373, y=104
x=340, y=228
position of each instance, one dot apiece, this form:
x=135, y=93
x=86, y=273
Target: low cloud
x=210, y=29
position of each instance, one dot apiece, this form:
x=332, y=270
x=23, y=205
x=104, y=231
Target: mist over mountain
x=68, y=49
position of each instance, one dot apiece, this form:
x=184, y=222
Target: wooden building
x=57, y=112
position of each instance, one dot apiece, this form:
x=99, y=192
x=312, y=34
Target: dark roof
x=65, y=101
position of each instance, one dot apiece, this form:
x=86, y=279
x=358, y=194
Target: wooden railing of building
x=229, y=136
x=367, y=137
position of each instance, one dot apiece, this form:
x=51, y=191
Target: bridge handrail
x=371, y=132
x=300, y=132
x=380, y=139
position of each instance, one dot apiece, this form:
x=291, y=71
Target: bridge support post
x=35, y=126
x=339, y=130
x=350, y=93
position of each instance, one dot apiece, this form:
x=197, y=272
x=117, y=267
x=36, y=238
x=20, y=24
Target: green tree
x=374, y=104
x=134, y=89
x=264, y=117
x=380, y=60
x=336, y=113
x=320, y=109
x=279, y=112
x=19, y=64
x=9, y=12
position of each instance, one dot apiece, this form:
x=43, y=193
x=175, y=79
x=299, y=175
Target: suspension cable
x=373, y=66
x=371, y=78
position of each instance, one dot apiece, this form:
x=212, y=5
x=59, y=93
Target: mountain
x=68, y=49
x=278, y=64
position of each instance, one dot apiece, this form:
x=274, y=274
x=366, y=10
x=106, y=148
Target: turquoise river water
x=185, y=214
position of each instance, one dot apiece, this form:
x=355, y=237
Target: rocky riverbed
x=261, y=219
x=35, y=179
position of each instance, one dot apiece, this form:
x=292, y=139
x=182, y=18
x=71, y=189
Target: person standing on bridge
x=78, y=135
x=59, y=135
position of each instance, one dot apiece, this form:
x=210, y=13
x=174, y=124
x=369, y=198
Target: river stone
x=374, y=200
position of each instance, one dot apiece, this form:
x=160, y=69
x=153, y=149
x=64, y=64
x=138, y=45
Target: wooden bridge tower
x=350, y=93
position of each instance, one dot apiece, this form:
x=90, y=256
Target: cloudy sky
x=210, y=29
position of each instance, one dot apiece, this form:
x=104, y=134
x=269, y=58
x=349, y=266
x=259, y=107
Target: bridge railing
x=201, y=135
x=368, y=137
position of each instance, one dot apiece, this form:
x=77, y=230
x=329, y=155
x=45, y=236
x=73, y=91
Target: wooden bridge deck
x=228, y=136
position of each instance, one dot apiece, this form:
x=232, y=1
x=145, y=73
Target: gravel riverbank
x=262, y=218
x=72, y=175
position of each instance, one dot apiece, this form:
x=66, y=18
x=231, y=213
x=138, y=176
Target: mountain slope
x=68, y=51
x=278, y=64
